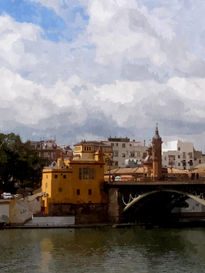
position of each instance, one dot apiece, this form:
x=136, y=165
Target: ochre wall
x=64, y=189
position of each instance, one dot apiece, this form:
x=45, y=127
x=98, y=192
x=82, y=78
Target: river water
x=96, y=250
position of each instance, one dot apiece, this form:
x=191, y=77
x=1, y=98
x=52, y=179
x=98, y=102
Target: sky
x=90, y=69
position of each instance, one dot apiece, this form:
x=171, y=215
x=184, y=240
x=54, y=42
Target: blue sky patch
x=53, y=25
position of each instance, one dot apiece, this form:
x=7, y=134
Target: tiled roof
x=127, y=170
x=91, y=143
x=173, y=170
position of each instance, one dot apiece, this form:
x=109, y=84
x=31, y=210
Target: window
x=86, y=173
x=78, y=192
x=55, y=176
x=179, y=149
x=64, y=176
x=123, y=145
x=123, y=155
x=165, y=158
x=116, y=144
x=115, y=153
x=171, y=157
x=116, y=163
x=179, y=164
x=60, y=189
x=132, y=154
x=178, y=156
x=89, y=192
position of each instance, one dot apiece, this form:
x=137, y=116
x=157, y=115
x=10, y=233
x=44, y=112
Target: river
x=105, y=249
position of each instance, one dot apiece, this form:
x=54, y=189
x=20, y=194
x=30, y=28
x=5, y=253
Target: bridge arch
x=144, y=195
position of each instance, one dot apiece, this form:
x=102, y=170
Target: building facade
x=85, y=150
x=76, y=186
x=49, y=150
x=127, y=153
x=180, y=155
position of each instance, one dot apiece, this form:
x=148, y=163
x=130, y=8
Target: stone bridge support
x=115, y=207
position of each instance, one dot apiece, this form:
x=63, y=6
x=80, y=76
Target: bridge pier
x=115, y=207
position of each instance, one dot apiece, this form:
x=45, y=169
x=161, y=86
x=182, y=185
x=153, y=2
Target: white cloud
x=129, y=69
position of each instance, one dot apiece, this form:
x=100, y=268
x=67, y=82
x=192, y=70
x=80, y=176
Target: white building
x=180, y=155
x=126, y=152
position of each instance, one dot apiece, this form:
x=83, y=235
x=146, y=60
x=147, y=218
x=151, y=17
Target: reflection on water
x=102, y=250
x=46, y=249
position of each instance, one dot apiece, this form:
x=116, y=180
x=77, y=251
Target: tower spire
x=157, y=154
x=157, y=132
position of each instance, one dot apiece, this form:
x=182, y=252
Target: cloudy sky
x=89, y=69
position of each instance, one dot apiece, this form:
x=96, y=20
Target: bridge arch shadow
x=157, y=205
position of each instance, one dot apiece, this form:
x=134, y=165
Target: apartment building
x=49, y=150
x=127, y=153
x=180, y=155
x=86, y=150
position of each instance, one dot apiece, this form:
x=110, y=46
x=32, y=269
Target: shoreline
x=181, y=224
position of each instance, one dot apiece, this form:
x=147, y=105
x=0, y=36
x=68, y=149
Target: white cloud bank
x=133, y=66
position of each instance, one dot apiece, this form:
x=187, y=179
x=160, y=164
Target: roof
x=94, y=143
x=157, y=136
x=119, y=139
x=200, y=166
x=127, y=171
x=199, y=169
x=173, y=170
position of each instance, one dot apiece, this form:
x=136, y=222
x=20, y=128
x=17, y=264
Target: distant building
x=85, y=150
x=66, y=151
x=180, y=155
x=127, y=153
x=49, y=150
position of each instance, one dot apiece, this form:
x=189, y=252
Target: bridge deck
x=156, y=183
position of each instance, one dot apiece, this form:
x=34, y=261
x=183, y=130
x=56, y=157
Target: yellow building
x=73, y=183
x=85, y=150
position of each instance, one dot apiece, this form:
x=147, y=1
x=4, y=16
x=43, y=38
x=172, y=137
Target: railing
x=148, y=180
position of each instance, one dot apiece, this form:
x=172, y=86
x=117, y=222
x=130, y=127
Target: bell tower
x=157, y=155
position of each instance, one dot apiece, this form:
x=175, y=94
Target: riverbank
x=181, y=224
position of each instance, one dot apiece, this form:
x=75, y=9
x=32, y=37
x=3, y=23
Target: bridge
x=147, y=200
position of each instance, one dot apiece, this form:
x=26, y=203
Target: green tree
x=19, y=163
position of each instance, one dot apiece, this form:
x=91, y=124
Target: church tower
x=157, y=155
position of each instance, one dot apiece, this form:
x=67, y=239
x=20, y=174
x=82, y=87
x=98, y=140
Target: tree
x=19, y=163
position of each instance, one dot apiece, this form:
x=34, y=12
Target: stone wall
x=84, y=213
x=21, y=210
x=4, y=212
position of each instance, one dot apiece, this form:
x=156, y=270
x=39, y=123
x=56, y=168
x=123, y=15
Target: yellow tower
x=157, y=155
